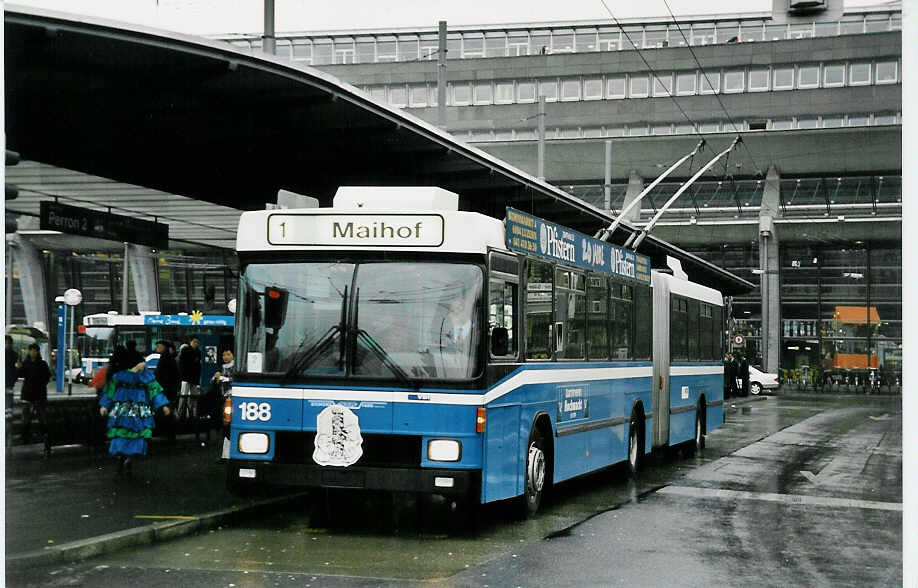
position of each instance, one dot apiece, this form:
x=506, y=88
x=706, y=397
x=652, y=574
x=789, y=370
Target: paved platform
x=72, y=504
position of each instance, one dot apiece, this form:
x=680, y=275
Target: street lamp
x=72, y=297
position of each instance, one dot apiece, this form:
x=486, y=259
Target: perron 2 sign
x=102, y=225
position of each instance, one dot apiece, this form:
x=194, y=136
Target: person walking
x=222, y=384
x=129, y=399
x=167, y=371
x=35, y=375
x=167, y=374
x=743, y=373
x=11, y=375
x=729, y=377
x=189, y=365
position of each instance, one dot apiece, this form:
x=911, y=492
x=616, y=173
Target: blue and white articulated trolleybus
x=393, y=342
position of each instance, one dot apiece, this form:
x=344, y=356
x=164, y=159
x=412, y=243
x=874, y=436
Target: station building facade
x=808, y=206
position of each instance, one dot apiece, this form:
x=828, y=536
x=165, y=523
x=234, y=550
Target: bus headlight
x=253, y=443
x=444, y=450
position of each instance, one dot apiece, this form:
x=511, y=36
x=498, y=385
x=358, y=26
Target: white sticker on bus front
x=685, y=393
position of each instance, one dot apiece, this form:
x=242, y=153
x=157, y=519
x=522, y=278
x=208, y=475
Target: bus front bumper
x=436, y=481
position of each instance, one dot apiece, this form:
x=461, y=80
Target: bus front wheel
x=535, y=474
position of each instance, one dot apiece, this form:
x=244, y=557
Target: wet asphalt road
x=788, y=492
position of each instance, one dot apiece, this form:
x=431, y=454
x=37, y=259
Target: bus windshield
x=381, y=320
x=97, y=342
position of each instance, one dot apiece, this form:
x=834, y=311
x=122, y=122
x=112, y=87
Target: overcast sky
x=245, y=16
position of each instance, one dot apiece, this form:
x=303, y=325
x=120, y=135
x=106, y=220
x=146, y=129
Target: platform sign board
x=535, y=236
x=102, y=225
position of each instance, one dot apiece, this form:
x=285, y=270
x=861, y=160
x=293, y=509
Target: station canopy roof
x=188, y=116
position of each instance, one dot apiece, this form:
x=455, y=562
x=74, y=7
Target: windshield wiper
x=378, y=349
x=387, y=360
x=319, y=348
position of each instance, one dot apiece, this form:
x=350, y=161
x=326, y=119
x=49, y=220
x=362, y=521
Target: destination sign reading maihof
x=536, y=236
x=102, y=225
x=356, y=230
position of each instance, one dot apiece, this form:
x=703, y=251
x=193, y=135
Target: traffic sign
x=739, y=341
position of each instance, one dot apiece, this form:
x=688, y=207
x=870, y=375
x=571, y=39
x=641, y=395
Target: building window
x=569, y=133
x=407, y=49
x=417, y=95
x=366, y=50
x=472, y=47
x=637, y=130
x=562, y=42
x=709, y=127
x=592, y=132
x=858, y=120
x=709, y=82
x=570, y=89
x=483, y=93
x=518, y=44
x=639, y=85
x=887, y=72
x=734, y=81
x=385, y=51
x=858, y=74
x=683, y=129
x=496, y=46
x=662, y=130
x=808, y=76
x=833, y=75
x=525, y=92
x=884, y=119
x=831, y=122
x=615, y=87
x=378, y=93
x=662, y=84
x=592, y=88
x=429, y=48
x=549, y=89
x=808, y=123
x=398, y=95
x=781, y=124
x=783, y=78
x=503, y=93
x=462, y=94
x=685, y=83
x=758, y=79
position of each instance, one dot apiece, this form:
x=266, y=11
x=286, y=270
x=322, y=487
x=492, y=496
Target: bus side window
x=622, y=323
x=597, y=317
x=570, y=315
x=678, y=345
x=537, y=315
x=502, y=297
x=692, y=330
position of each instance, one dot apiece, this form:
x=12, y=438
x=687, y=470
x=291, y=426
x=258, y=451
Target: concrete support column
x=142, y=262
x=770, y=265
x=33, y=283
x=635, y=186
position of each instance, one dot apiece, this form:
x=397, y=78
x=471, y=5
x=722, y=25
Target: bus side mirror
x=275, y=307
x=500, y=341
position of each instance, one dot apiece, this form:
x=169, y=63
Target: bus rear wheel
x=535, y=474
x=635, y=434
x=698, y=442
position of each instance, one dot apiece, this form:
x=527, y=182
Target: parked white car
x=760, y=381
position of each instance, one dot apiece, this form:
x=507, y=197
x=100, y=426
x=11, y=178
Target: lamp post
x=72, y=297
